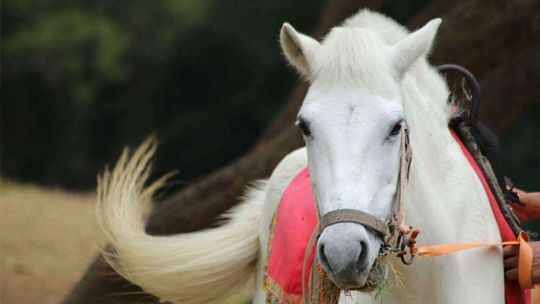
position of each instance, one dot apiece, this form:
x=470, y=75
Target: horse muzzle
x=347, y=251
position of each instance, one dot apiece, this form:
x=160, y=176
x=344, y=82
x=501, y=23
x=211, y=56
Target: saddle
x=483, y=145
x=479, y=139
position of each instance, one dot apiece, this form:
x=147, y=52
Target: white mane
x=389, y=30
x=349, y=55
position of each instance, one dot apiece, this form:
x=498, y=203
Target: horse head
x=351, y=120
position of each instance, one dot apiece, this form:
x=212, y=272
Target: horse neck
x=445, y=200
x=442, y=191
x=427, y=113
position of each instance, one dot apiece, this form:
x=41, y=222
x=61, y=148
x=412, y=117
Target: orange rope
x=524, y=262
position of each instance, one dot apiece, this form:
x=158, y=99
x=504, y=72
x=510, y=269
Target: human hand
x=531, y=210
x=511, y=257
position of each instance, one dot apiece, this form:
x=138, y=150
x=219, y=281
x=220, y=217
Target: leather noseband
x=353, y=216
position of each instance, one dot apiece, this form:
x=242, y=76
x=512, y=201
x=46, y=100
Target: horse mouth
x=377, y=275
x=350, y=256
x=371, y=280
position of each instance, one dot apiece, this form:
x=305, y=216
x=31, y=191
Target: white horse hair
x=367, y=77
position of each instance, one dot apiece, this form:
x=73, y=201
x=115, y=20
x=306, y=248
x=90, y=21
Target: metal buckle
x=400, y=249
x=402, y=254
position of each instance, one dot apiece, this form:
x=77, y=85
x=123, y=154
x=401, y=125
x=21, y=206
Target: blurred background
x=82, y=79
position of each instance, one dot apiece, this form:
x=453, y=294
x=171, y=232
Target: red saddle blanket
x=296, y=219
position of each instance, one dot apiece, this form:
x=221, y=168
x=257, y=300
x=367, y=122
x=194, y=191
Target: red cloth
x=294, y=224
x=296, y=219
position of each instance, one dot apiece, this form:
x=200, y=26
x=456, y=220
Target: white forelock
x=355, y=54
x=355, y=51
x=354, y=57
x=389, y=30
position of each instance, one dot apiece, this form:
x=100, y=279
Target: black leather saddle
x=480, y=140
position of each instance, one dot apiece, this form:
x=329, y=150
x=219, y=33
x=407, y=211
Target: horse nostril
x=323, y=258
x=344, y=251
x=362, y=261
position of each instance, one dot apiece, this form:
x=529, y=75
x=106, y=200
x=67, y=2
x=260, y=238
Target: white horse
x=368, y=77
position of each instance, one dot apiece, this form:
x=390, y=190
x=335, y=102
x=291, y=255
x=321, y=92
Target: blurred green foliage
x=81, y=79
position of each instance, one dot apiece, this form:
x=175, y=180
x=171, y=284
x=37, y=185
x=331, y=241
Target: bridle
x=393, y=232
x=398, y=238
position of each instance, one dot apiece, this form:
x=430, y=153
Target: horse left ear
x=406, y=51
x=299, y=49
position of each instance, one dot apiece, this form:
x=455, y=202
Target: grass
x=48, y=237
x=47, y=240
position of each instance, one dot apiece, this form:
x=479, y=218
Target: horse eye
x=395, y=129
x=304, y=127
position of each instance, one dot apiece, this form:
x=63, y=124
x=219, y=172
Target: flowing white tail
x=196, y=267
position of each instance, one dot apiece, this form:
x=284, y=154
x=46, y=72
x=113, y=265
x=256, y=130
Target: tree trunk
x=508, y=90
x=480, y=35
x=483, y=34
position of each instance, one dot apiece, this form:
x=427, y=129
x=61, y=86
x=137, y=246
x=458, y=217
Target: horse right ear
x=414, y=46
x=299, y=49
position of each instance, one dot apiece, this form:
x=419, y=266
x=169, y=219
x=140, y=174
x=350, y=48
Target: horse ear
x=298, y=48
x=418, y=44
